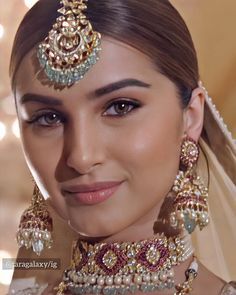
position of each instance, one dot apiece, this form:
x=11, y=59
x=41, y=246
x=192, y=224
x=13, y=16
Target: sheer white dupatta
x=216, y=245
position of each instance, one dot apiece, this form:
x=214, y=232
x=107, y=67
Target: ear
x=194, y=114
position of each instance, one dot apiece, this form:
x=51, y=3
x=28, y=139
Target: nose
x=83, y=146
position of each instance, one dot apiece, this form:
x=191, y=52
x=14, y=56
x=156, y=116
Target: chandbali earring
x=190, y=203
x=36, y=225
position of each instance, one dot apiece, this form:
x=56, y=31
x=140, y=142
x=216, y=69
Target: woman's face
x=106, y=150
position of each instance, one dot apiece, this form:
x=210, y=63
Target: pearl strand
x=188, y=247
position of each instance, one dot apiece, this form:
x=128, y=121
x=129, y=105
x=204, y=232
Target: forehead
x=117, y=61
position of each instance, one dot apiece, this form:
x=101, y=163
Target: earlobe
x=194, y=114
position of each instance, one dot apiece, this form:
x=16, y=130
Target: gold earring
x=190, y=203
x=36, y=225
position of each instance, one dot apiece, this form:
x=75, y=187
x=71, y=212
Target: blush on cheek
x=152, y=143
x=151, y=153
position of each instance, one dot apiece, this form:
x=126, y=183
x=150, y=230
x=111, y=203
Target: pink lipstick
x=91, y=194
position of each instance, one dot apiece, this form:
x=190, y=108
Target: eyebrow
x=51, y=101
x=119, y=85
x=32, y=97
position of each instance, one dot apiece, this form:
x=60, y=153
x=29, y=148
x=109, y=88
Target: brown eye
x=50, y=119
x=121, y=108
x=47, y=119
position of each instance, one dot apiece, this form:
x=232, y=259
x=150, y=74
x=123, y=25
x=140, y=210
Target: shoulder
x=207, y=280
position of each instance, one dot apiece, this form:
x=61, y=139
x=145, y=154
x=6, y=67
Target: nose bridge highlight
x=82, y=145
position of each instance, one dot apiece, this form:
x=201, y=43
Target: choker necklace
x=127, y=267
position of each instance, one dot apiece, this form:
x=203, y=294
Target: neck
x=143, y=228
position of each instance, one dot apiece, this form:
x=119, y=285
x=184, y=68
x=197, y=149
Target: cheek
x=42, y=155
x=154, y=144
x=151, y=157
x=154, y=165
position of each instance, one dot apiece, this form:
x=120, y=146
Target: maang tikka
x=190, y=203
x=35, y=228
x=71, y=47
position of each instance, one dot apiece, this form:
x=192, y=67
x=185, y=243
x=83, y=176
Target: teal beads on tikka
x=72, y=47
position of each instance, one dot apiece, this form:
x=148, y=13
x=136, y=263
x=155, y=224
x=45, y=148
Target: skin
x=94, y=145
x=87, y=142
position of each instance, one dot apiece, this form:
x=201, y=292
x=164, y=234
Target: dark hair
x=152, y=26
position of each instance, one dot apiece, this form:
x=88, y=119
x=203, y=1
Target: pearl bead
x=146, y=278
x=92, y=280
x=180, y=215
x=126, y=280
x=171, y=273
x=36, y=234
x=118, y=280
x=47, y=236
x=75, y=278
x=193, y=215
x=109, y=281
x=172, y=219
x=203, y=216
x=26, y=234
x=174, y=223
x=163, y=277
x=101, y=281
x=155, y=278
x=138, y=279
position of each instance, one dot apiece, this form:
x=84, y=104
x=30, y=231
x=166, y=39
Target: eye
x=121, y=108
x=48, y=119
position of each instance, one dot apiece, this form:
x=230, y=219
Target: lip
x=91, y=194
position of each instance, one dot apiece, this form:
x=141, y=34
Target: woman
x=111, y=112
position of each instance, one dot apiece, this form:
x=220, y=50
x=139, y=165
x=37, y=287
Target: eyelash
x=43, y=115
x=46, y=114
x=128, y=103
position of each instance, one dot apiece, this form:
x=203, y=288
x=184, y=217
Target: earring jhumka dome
x=191, y=205
x=71, y=47
x=36, y=225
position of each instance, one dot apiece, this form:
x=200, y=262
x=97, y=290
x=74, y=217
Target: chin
x=94, y=228
x=88, y=232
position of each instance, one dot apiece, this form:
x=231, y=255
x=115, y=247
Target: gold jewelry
x=35, y=226
x=191, y=274
x=71, y=47
x=191, y=207
x=120, y=268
